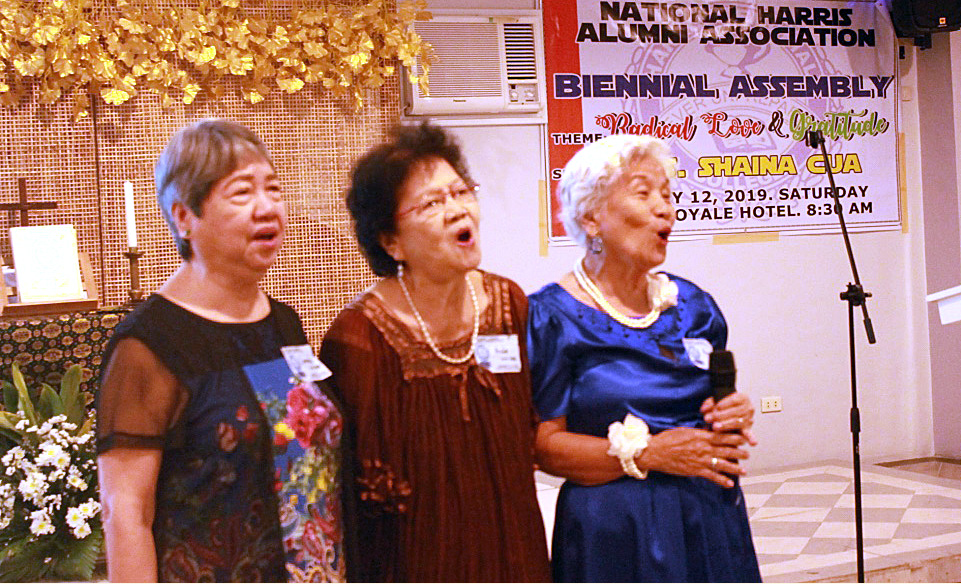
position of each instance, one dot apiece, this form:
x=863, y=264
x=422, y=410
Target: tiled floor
x=936, y=467
x=803, y=518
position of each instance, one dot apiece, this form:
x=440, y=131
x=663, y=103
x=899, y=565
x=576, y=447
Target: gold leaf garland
x=182, y=53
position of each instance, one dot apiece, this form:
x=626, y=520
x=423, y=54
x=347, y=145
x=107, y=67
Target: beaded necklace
x=661, y=291
x=423, y=326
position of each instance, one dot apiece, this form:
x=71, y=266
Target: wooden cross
x=23, y=206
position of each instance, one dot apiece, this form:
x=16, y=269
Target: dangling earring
x=596, y=245
x=400, y=270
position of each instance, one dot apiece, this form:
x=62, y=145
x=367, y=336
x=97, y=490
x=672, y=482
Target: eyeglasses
x=435, y=200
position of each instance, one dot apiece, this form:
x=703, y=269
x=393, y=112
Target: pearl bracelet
x=628, y=439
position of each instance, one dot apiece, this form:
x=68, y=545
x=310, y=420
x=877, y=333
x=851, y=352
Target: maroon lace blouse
x=444, y=454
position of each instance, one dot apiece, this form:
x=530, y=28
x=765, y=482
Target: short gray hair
x=196, y=157
x=588, y=174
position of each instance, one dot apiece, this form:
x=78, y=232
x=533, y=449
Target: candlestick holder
x=136, y=294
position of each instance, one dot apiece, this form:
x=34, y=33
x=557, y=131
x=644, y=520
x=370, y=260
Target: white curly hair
x=588, y=174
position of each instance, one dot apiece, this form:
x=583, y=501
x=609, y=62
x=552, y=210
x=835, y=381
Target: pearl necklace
x=661, y=291
x=423, y=326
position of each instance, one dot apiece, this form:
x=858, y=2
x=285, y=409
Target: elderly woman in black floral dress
x=209, y=383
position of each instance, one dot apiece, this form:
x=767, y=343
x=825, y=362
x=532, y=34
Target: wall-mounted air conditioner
x=487, y=64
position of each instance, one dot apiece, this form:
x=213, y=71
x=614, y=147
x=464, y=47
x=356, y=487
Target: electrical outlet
x=771, y=403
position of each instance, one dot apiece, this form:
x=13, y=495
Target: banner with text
x=733, y=88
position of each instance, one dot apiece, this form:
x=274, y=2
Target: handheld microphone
x=723, y=372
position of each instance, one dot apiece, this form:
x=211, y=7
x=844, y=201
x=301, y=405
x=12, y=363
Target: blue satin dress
x=593, y=370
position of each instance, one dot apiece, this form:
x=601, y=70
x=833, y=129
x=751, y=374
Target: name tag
x=698, y=351
x=304, y=364
x=498, y=353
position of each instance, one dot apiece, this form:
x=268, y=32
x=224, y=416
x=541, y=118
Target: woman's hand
x=696, y=453
x=732, y=414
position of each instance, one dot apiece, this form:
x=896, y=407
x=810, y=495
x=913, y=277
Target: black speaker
x=914, y=18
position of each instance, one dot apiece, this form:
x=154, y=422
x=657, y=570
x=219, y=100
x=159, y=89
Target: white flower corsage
x=628, y=439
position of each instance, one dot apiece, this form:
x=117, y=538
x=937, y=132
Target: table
x=45, y=346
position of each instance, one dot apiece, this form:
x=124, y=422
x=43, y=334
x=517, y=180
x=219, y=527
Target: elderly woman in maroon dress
x=443, y=431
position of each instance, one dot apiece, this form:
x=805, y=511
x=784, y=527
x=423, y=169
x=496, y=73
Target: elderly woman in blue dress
x=619, y=358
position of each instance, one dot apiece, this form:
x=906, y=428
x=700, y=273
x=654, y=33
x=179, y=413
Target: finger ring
x=740, y=420
x=713, y=462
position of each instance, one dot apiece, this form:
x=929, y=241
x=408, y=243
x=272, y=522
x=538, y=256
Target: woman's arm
x=679, y=451
x=128, y=484
x=138, y=400
x=578, y=457
x=366, y=378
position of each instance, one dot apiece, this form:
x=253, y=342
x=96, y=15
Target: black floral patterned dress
x=195, y=389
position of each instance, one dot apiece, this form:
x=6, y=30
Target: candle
x=130, y=214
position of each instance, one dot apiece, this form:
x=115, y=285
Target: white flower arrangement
x=50, y=524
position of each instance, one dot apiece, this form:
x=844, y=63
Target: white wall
x=954, y=63
x=788, y=327
x=937, y=98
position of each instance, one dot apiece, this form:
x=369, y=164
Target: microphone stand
x=854, y=295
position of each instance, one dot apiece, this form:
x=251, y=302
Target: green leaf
x=79, y=556
x=24, y=404
x=61, y=559
x=10, y=396
x=73, y=406
x=23, y=560
x=49, y=404
x=10, y=535
x=9, y=421
x=12, y=437
x=87, y=426
x=12, y=538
